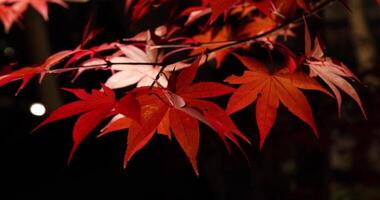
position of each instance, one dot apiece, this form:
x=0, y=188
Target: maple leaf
x=257, y=84
x=81, y=52
x=222, y=35
x=27, y=73
x=11, y=10
x=41, y=6
x=177, y=113
x=91, y=52
x=215, y=7
x=143, y=75
x=195, y=13
x=280, y=9
x=333, y=73
x=258, y=25
x=117, y=123
x=193, y=94
x=244, y=10
x=10, y=13
x=219, y=7
x=93, y=108
x=141, y=8
x=92, y=62
x=138, y=9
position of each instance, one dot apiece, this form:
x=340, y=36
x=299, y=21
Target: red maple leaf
x=138, y=9
x=176, y=112
x=94, y=108
x=269, y=90
x=258, y=25
x=213, y=7
x=41, y=6
x=12, y=10
x=27, y=73
x=280, y=9
x=10, y=13
x=222, y=35
x=219, y=7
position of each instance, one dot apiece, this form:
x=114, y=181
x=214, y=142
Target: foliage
x=155, y=70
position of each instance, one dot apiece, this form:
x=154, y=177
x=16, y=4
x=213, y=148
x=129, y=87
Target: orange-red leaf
x=24, y=74
x=219, y=120
x=176, y=112
x=11, y=10
x=85, y=124
x=216, y=35
x=296, y=102
x=130, y=107
x=119, y=122
x=65, y=111
x=279, y=9
x=139, y=135
x=269, y=90
x=95, y=107
x=244, y=96
x=164, y=127
x=187, y=75
x=27, y=73
x=186, y=131
x=266, y=110
x=219, y=7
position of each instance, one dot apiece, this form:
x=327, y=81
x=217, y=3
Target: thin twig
x=106, y=64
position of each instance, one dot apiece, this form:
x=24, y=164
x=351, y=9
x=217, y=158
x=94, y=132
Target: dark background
x=344, y=163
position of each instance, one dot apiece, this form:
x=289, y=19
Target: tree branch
x=298, y=20
x=224, y=44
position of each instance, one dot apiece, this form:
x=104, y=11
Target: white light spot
x=37, y=109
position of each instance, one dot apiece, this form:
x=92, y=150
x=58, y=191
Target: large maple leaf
x=269, y=89
x=177, y=113
x=333, y=73
x=93, y=108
